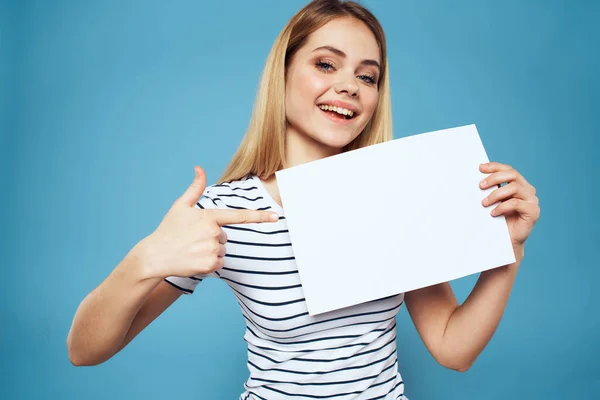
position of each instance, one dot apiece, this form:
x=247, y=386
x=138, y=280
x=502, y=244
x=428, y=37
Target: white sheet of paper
x=391, y=218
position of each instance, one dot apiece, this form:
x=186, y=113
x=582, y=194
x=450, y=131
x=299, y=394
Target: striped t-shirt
x=343, y=354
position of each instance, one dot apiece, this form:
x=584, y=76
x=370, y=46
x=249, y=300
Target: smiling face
x=331, y=88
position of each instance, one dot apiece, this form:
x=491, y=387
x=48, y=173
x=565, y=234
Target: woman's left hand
x=518, y=201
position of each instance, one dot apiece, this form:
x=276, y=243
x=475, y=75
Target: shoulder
x=238, y=194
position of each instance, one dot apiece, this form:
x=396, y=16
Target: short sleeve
x=208, y=200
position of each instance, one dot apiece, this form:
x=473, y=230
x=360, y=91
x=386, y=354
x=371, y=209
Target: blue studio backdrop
x=106, y=107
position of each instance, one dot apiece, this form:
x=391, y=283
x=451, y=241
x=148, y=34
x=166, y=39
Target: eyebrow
x=343, y=55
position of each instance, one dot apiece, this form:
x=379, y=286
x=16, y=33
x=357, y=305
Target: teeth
x=338, y=110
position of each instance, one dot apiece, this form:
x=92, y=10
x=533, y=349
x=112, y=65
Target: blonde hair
x=262, y=151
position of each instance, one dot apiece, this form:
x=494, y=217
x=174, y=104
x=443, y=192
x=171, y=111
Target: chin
x=335, y=140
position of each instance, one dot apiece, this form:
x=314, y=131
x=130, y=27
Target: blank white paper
x=391, y=218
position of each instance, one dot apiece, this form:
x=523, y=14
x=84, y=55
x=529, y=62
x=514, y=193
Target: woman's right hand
x=190, y=241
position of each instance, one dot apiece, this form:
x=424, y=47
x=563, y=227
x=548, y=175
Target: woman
x=324, y=90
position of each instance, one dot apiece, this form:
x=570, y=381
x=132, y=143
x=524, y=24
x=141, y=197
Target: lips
x=341, y=107
x=339, y=112
x=338, y=119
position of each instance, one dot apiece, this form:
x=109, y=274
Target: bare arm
x=117, y=310
x=188, y=242
x=456, y=335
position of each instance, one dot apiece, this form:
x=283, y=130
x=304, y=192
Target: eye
x=324, y=66
x=368, y=79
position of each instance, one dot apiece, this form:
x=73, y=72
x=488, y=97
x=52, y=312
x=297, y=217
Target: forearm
x=472, y=325
x=105, y=315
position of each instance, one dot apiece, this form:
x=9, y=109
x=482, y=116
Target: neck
x=301, y=149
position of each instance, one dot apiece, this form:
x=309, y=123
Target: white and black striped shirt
x=343, y=354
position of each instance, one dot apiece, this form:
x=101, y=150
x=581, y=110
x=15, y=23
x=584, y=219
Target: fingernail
x=274, y=217
x=482, y=183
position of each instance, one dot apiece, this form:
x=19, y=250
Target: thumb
x=195, y=190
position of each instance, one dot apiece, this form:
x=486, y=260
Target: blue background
x=106, y=107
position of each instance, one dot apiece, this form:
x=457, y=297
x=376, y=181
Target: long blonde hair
x=262, y=151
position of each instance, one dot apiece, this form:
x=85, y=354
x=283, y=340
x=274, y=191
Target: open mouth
x=337, y=112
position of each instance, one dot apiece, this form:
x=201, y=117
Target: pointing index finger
x=226, y=217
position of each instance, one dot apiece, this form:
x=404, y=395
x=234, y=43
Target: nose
x=346, y=86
